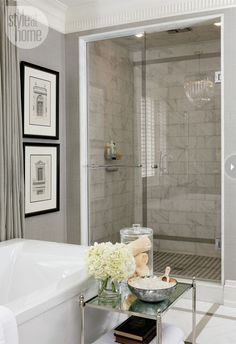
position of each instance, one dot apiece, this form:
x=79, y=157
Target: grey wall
x=73, y=141
x=51, y=54
x=72, y=68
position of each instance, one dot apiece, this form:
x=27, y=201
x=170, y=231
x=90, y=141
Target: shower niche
x=158, y=96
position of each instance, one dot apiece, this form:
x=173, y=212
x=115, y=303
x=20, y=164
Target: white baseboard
x=207, y=291
x=230, y=293
x=215, y=293
x=210, y=292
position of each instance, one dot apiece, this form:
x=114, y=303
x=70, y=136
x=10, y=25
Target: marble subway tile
x=213, y=141
x=176, y=92
x=202, y=155
x=178, y=142
x=213, y=167
x=158, y=216
x=196, y=218
x=158, y=191
x=206, y=250
x=202, y=180
x=176, y=117
x=176, y=217
x=207, y=232
x=177, y=155
x=177, y=168
x=196, y=167
x=177, y=246
x=177, y=130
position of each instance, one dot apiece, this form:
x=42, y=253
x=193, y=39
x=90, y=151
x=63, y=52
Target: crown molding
x=99, y=14
x=54, y=10
x=95, y=14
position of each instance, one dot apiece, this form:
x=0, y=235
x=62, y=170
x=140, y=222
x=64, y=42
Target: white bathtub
x=41, y=283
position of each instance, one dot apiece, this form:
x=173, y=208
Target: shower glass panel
x=114, y=108
x=154, y=143
x=184, y=193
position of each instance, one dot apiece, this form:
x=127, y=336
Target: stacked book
x=135, y=330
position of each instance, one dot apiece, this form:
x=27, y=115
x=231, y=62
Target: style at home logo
x=26, y=26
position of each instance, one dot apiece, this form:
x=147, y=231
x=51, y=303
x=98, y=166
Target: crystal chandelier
x=199, y=88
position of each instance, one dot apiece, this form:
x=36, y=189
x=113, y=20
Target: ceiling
x=206, y=31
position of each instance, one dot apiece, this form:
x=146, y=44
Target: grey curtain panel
x=11, y=155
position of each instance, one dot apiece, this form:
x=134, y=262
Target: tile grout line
x=203, y=322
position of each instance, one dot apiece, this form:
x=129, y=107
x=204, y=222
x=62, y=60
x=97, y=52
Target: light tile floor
x=216, y=324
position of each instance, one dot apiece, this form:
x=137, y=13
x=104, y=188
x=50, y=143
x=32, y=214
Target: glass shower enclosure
x=154, y=144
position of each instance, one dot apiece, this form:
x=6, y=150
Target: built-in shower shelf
x=112, y=167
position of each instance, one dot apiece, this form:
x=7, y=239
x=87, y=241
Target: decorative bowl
x=155, y=294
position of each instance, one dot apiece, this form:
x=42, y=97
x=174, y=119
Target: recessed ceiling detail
x=80, y=15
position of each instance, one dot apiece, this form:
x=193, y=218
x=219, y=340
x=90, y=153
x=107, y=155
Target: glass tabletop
x=129, y=304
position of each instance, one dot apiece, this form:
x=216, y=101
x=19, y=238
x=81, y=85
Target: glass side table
x=130, y=305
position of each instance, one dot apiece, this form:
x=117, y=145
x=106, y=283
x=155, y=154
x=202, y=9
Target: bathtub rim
x=51, y=298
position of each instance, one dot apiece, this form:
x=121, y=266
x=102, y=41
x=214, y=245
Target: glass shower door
x=184, y=140
x=115, y=183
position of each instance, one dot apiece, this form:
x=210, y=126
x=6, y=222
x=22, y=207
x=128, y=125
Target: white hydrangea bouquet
x=110, y=263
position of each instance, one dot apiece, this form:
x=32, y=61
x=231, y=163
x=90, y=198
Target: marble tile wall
x=184, y=196
x=111, y=117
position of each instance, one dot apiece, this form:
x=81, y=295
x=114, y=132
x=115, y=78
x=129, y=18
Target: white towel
x=8, y=327
x=171, y=335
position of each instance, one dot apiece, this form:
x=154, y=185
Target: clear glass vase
x=108, y=290
x=137, y=232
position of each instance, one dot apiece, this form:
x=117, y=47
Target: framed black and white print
x=42, y=178
x=40, y=101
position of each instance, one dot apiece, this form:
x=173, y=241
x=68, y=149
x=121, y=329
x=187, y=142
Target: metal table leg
x=194, y=311
x=82, y=305
x=159, y=328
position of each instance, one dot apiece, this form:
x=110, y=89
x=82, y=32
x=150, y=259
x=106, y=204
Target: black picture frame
x=36, y=206
x=34, y=130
